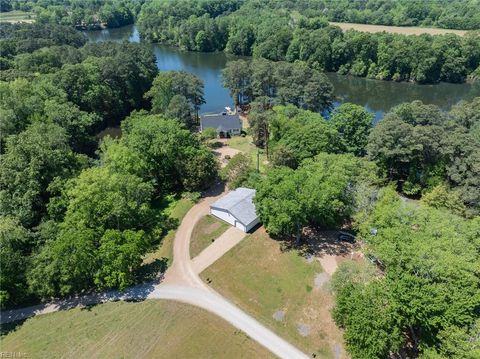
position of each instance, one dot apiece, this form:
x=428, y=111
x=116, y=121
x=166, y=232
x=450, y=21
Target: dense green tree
x=442, y=197
x=20, y=100
x=112, y=83
x=322, y=191
x=279, y=204
x=237, y=78
x=274, y=30
x=21, y=37
x=420, y=146
x=428, y=285
x=309, y=140
x=170, y=155
x=168, y=86
x=13, y=244
x=32, y=159
x=294, y=83
x=409, y=144
x=330, y=183
x=353, y=124
x=65, y=265
x=101, y=199
x=180, y=109
x=120, y=254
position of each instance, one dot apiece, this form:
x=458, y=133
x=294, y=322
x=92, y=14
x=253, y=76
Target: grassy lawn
x=17, y=15
x=149, y=329
x=245, y=145
x=176, y=209
x=265, y=281
x=204, y=232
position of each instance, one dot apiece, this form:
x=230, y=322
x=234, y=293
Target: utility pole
x=258, y=160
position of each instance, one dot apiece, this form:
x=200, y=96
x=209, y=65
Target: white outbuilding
x=237, y=208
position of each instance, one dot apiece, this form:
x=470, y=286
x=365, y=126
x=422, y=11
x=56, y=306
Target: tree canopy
x=428, y=287
x=275, y=30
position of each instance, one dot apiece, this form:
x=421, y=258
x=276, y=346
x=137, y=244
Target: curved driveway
x=181, y=283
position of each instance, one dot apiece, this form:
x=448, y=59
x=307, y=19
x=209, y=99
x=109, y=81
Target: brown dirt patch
x=404, y=30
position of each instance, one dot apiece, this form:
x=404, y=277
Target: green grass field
x=264, y=280
x=16, y=16
x=205, y=231
x=150, y=329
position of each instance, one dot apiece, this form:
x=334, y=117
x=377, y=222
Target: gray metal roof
x=240, y=204
x=220, y=122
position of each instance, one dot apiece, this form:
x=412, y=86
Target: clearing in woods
x=405, y=30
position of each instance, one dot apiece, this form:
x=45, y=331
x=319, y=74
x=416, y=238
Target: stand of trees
x=177, y=94
x=81, y=89
x=421, y=147
x=82, y=14
x=75, y=217
x=295, y=83
x=276, y=31
x=425, y=302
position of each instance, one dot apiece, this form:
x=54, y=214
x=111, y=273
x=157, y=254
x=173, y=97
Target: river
x=375, y=95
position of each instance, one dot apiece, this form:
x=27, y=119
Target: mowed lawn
x=150, y=329
x=205, y=232
x=246, y=145
x=269, y=283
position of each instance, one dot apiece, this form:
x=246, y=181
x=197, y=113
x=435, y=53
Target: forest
x=77, y=215
x=82, y=14
x=283, y=31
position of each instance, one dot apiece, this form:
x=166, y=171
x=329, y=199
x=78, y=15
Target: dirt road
x=181, y=283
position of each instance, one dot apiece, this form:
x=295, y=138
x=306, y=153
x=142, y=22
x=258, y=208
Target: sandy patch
x=321, y=279
x=303, y=329
x=224, y=151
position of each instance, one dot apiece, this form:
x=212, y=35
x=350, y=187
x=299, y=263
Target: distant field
x=150, y=329
x=269, y=284
x=17, y=16
x=397, y=29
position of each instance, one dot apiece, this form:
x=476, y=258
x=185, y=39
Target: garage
x=237, y=208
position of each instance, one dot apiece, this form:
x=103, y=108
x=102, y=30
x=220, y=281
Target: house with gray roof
x=237, y=208
x=225, y=124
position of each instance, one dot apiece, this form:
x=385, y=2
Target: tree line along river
x=377, y=96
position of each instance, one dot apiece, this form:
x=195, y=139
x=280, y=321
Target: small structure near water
x=226, y=124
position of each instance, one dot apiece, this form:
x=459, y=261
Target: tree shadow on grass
x=8, y=328
x=318, y=242
x=153, y=270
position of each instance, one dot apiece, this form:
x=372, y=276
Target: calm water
x=376, y=96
